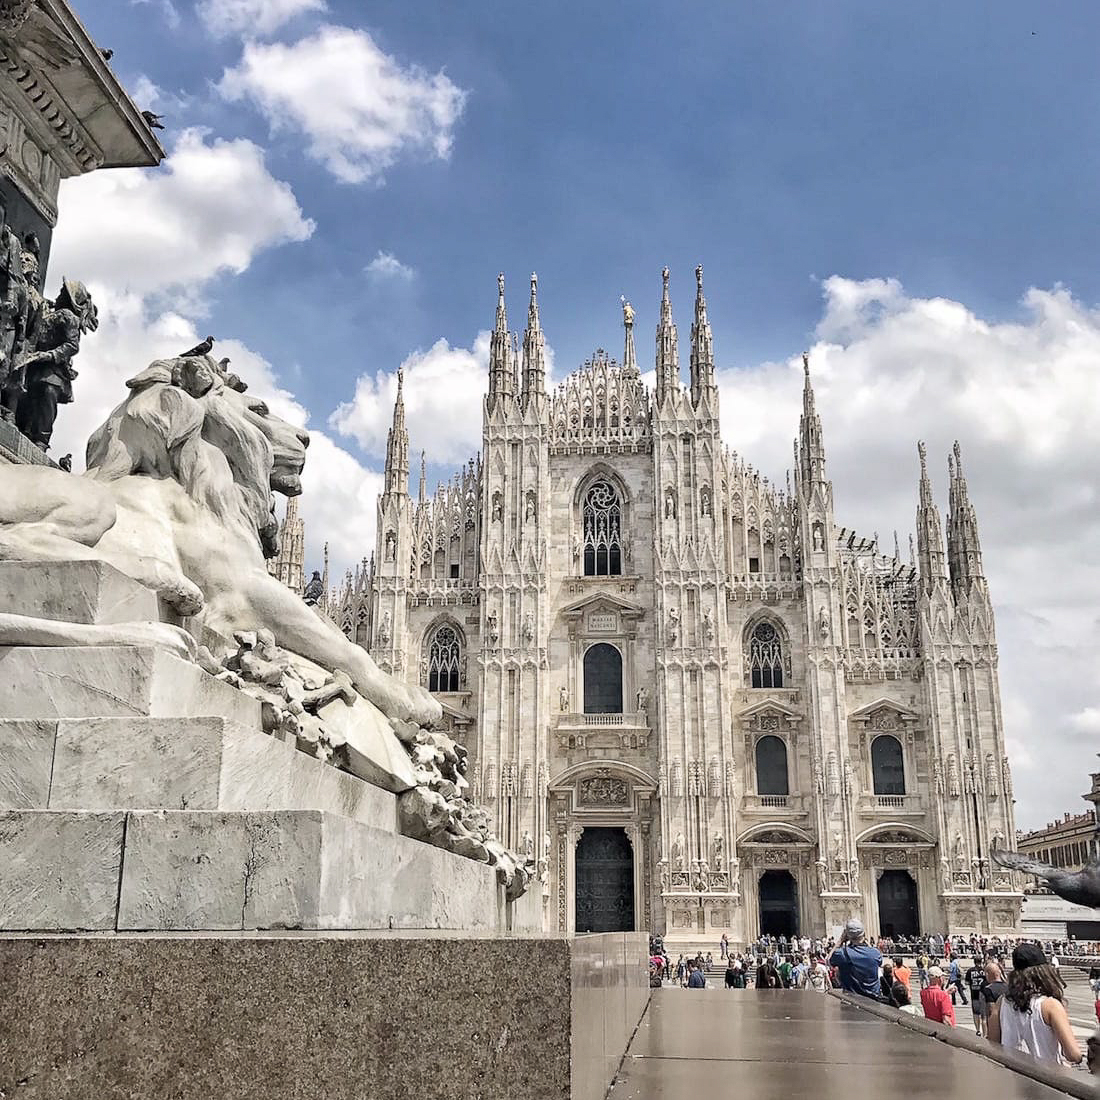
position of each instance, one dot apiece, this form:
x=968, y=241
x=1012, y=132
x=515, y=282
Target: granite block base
x=75, y=592
x=323, y=1018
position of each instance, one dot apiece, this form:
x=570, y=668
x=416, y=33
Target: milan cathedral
x=697, y=702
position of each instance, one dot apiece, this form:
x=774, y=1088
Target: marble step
x=74, y=591
x=144, y=763
x=189, y=870
x=114, y=682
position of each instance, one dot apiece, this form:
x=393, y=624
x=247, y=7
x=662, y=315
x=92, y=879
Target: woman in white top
x=1031, y=1017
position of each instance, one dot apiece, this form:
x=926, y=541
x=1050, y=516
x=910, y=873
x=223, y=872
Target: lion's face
x=288, y=443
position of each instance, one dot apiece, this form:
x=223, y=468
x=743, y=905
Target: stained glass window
x=602, y=531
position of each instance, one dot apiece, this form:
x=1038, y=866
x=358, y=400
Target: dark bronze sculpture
x=1081, y=887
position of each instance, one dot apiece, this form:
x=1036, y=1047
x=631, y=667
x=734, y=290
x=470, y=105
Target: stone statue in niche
x=673, y=624
x=530, y=512
x=819, y=537
x=678, y=852
x=717, y=852
x=527, y=847
x=385, y=629
x=563, y=699
x=823, y=625
x=708, y=625
x=642, y=699
x=704, y=501
x=953, y=776
x=391, y=546
x=46, y=365
x=960, y=854
x=528, y=628
x=491, y=627
x=670, y=505
x=498, y=508
x=837, y=850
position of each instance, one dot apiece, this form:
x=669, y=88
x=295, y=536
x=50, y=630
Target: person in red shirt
x=935, y=1000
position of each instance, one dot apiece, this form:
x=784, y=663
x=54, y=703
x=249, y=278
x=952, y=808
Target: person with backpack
x=954, y=980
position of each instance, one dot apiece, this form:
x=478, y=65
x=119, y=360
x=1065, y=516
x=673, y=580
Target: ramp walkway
x=783, y=1044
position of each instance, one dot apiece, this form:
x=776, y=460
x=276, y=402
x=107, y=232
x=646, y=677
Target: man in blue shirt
x=857, y=962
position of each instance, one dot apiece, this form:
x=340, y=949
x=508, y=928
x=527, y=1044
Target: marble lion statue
x=178, y=495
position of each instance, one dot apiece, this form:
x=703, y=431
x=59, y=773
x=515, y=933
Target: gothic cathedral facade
x=693, y=699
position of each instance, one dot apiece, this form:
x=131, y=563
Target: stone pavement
x=785, y=1043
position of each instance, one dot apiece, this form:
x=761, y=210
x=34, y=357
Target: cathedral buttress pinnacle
x=630, y=358
x=702, y=345
x=930, y=555
x=534, y=358
x=397, y=444
x=964, y=551
x=811, y=448
x=501, y=367
x=668, y=360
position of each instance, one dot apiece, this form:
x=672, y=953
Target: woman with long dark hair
x=1031, y=1016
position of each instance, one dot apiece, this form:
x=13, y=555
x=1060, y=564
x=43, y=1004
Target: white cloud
x=443, y=393
x=209, y=208
x=387, y=266
x=359, y=108
x=251, y=18
x=167, y=9
x=1021, y=396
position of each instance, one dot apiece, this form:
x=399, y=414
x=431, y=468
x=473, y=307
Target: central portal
x=778, y=904
x=605, y=881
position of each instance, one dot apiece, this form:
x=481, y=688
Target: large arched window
x=887, y=765
x=771, y=766
x=444, y=659
x=603, y=680
x=765, y=657
x=602, y=517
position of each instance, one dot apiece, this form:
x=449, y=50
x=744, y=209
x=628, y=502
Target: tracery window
x=765, y=657
x=602, y=518
x=444, y=659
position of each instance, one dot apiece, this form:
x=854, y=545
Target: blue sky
x=906, y=190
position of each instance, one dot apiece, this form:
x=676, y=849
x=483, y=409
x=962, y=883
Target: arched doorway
x=898, y=914
x=778, y=904
x=603, y=680
x=605, y=881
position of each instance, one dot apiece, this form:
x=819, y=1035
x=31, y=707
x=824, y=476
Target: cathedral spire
x=501, y=369
x=423, y=495
x=702, y=344
x=630, y=359
x=930, y=556
x=811, y=449
x=397, y=444
x=964, y=551
x=534, y=355
x=668, y=360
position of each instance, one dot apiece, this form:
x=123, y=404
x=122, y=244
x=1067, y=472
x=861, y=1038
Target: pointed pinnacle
x=699, y=278
x=958, y=457
x=922, y=451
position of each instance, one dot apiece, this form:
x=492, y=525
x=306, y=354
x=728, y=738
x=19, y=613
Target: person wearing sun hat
x=1031, y=1017
x=857, y=962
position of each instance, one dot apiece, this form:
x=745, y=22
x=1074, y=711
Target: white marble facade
x=749, y=625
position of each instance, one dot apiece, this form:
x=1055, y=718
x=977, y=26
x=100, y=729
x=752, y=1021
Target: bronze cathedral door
x=605, y=881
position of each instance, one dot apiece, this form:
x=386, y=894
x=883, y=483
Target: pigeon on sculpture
x=314, y=590
x=199, y=349
x=1081, y=887
x=154, y=122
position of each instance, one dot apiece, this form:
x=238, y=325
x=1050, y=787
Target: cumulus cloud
x=252, y=18
x=210, y=208
x=1021, y=396
x=443, y=391
x=359, y=108
x=387, y=266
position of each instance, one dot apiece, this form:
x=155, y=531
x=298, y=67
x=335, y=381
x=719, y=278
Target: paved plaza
x=782, y=1043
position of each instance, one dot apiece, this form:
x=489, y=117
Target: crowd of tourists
x=1013, y=987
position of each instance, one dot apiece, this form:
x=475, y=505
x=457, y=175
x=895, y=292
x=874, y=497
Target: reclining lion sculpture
x=178, y=495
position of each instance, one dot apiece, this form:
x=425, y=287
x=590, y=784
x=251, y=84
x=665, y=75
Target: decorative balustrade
x=635, y=720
